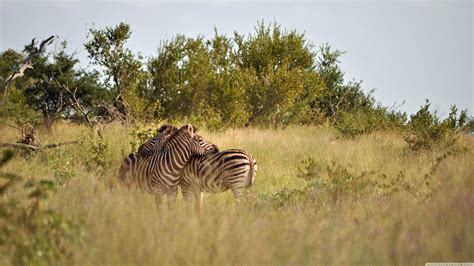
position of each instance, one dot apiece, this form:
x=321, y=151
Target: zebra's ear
x=190, y=129
x=216, y=149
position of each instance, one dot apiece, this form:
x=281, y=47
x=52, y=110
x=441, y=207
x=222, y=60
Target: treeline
x=271, y=77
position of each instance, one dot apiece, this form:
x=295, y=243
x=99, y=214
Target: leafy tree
x=122, y=69
x=52, y=83
x=283, y=64
x=45, y=94
x=16, y=107
x=338, y=96
x=48, y=90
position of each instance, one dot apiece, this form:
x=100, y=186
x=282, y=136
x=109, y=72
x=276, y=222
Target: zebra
x=233, y=169
x=157, y=166
x=155, y=145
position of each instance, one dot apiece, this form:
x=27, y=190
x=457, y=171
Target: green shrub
x=331, y=182
x=98, y=152
x=353, y=124
x=368, y=120
x=62, y=165
x=140, y=136
x=427, y=131
x=324, y=181
x=32, y=232
x=332, y=179
x=287, y=197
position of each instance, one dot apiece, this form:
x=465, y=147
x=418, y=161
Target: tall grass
x=124, y=227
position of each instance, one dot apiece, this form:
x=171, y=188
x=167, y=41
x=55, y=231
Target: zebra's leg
x=238, y=193
x=198, y=196
x=172, y=195
x=187, y=196
x=159, y=199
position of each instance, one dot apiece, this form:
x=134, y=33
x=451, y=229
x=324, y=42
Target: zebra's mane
x=174, y=133
x=165, y=127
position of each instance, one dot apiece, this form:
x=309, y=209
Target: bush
x=62, y=164
x=366, y=121
x=353, y=124
x=331, y=182
x=140, y=136
x=287, y=197
x=324, y=181
x=98, y=152
x=32, y=232
x=427, y=131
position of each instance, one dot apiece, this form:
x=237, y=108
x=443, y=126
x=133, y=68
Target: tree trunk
x=48, y=122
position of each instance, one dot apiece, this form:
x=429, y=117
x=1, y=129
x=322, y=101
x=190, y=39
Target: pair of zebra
x=180, y=157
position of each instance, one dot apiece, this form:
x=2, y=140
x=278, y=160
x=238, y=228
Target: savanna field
x=318, y=198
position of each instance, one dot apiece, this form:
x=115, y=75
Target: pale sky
x=406, y=50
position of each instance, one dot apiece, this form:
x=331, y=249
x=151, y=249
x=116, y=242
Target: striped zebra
x=155, y=145
x=157, y=166
x=233, y=169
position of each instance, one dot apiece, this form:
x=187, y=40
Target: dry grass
x=124, y=227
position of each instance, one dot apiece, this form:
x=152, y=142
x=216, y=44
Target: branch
x=35, y=148
x=18, y=146
x=113, y=111
x=27, y=64
x=54, y=145
x=11, y=126
x=76, y=102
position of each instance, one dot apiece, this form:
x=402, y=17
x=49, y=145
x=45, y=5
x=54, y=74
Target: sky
x=408, y=51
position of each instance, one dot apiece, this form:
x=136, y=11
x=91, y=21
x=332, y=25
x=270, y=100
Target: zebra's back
x=233, y=169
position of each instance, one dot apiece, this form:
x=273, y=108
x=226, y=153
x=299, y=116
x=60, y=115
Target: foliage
x=334, y=182
x=140, y=136
x=98, y=154
x=62, y=164
x=331, y=179
x=16, y=107
x=122, y=69
x=367, y=120
x=269, y=77
x=43, y=92
x=426, y=131
x=32, y=232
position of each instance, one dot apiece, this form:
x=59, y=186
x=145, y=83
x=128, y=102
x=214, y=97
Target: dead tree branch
x=11, y=126
x=35, y=148
x=76, y=102
x=27, y=64
x=113, y=111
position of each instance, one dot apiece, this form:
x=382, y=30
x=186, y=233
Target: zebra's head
x=209, y=148
x=199, y=145
x=155, y=145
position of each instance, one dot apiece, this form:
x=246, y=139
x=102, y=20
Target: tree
x=19, y=71
x=52, y=88
x=15, y=107
x=283, y=64
x=45, y=94
x=122, y=69
x=338, y=96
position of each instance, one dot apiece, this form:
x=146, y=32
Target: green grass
x=124, y=227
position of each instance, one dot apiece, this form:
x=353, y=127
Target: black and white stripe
x=232, y=169
x=157, y=167
x=155, y=145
